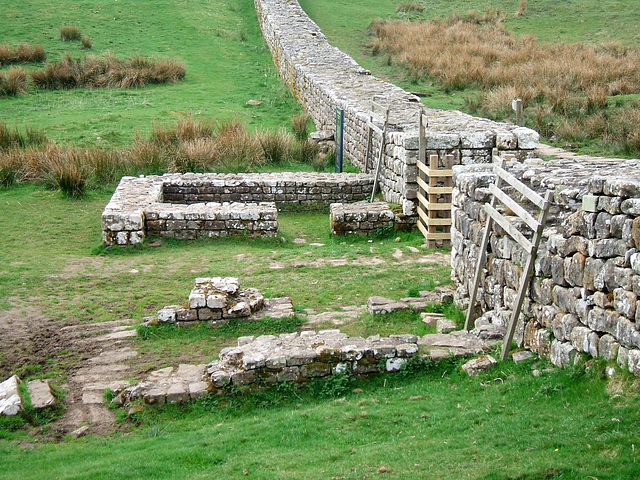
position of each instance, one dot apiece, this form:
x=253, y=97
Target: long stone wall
x=584, y=295
x=321, y=78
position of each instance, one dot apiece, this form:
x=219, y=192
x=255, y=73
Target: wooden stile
x=530, y=246
x=381, y=111
x=435, y=186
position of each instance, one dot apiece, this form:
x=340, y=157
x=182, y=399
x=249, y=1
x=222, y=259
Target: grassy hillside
x=227, y=64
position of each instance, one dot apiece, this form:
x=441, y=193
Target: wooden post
x=516, y=105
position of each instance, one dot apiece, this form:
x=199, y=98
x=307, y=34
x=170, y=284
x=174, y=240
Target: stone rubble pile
x=584, y=295
x=219, y=299
x=321, y=78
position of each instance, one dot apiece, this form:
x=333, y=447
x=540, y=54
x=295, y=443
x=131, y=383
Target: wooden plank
x=434, y=173
x=532, y=196
x=514, y=207
x=433, y=190
x=510, y=229
x=445, y=222
x=526, y=279
x=433, y=206
x=423, y=230
x=375, y=128
x=481, y=259
x=438, y=236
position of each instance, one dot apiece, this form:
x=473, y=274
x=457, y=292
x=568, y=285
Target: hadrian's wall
x=584, y=295
x=321, y=78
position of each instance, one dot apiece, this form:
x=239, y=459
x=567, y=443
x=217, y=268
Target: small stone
x=80, y=432
x=254, y=103
x=10, y=402
x=479, y=364
x=431, y=319
x=40, y=394
x=521, y=356
x=445, y=325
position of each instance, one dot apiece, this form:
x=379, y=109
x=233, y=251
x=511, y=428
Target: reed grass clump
x=13, y=82
x=70, y=33
x=24, y=53
x=561, y=85
x=108, y=71
x=299, y=125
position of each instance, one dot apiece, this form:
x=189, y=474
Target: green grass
x=220, y=42
x=503, y=425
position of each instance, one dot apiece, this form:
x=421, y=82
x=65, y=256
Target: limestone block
x=394, y=364
x=288, y=374
x=562, y=353
x=186, y=314
x=527, y=139
x=635, y=262
x=243, y=378
x=197, y=299
x=10, y=401
x=625, y=302
x=444, y=325
x=41, y=394
x=168, y=314
x=220, y=378
x=627, y=333
x=622, y=187
x=631, y=206
x=198, y=390
x=479, y=365
x=177, y=394
x=506, y=140
x=442, y=141
x=635, y=232
x=633, y=361
x=608, y=347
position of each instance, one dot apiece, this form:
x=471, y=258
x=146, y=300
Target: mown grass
x=506, y=424
x=478, y=56
x=220, y=43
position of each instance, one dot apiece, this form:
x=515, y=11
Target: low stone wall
x=211, y=220
x=188, y=206
x=584, y=294
x=321, y=78
x=361, y=218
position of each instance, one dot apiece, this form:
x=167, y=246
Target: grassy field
x=227, y=64
x=581, y=111
x=431, y=423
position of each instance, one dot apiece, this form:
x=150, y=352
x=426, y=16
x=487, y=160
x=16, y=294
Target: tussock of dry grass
x=13, y=82
x=562, y=85
x=189, y=146
x=70, y=33
x=95, y=72
x=22, y=54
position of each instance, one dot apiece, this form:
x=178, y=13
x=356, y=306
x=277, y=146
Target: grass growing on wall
x=220, y=43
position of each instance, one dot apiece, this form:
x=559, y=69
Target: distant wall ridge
x=321, y=78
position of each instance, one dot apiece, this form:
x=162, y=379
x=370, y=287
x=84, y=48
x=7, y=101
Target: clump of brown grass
x=299, y=125
x=14, y=138
x=409, y=7
x=13, y=82
x=567, y=81
x=522, y=9
x=86, y=42
x=276, y=146
x=22, y=54
x=94, y=72
x=70, y=33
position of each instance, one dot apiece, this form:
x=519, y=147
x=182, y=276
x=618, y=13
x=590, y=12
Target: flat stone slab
x=479, y=365
x=10, y=401
x=41, y=394
x=114, y=356
x=459, y=343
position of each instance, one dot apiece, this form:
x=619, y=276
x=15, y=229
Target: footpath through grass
x=227, y=64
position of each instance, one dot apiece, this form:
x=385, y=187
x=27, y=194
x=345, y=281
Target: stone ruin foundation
x=210, y=205
x=220, y=299
x=583, y=298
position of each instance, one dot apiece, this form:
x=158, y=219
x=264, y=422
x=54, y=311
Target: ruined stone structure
x=321, y=78
x=584, y=295
x=362, y=218
x=188, y=206
x=219, y=299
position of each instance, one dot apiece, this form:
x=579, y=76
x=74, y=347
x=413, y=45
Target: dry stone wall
x=584, y=295
x=321, y=78
x=187, y=206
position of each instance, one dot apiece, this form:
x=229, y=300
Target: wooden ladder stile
x=435, y=188
x=376, y=110
x=530, y=246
